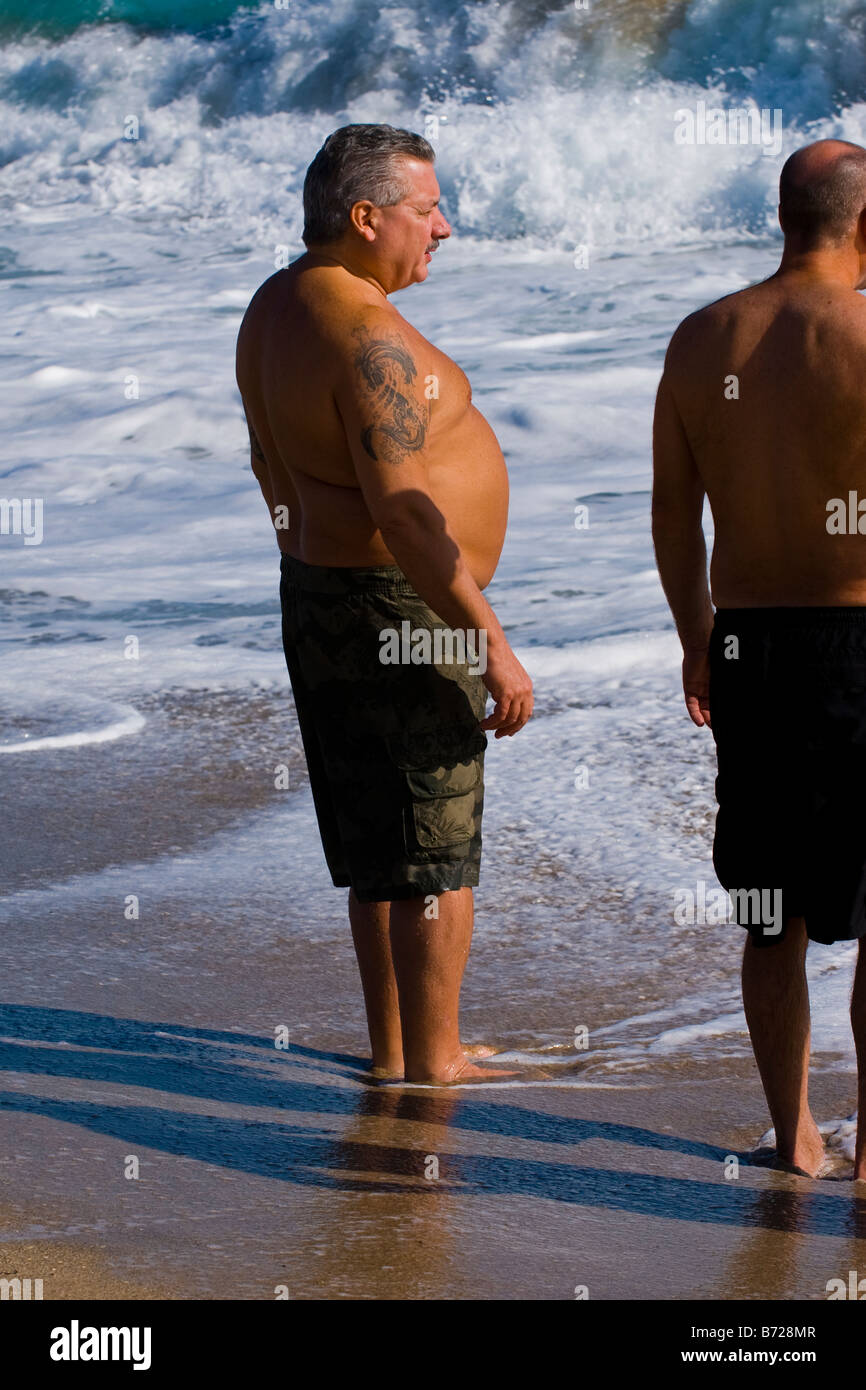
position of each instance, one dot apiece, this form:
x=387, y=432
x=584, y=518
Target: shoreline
x=264, y=1169
x=328, y=1195
x=261, y=1168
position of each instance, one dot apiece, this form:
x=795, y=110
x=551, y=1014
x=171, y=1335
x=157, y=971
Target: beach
x=265, y=1175
x=179, y=986
x=219, y=1041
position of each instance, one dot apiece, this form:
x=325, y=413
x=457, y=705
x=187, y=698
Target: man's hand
x=696, y=685
x=511, y=689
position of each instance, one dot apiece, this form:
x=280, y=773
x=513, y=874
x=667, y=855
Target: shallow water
x=143, y=697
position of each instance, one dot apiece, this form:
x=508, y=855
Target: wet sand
x=68, y=1269
x=264, y=1171
x=260, y=1172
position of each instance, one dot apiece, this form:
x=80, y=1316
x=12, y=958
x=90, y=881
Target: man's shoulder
x=362, y=333
x=259, y=309
x=322, y=311
x=704, y=325
x=718, y=311
x=351, y=315
x=342, y=309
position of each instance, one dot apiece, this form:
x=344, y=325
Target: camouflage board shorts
x=394, y=752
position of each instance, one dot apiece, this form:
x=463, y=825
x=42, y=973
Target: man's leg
x=776, y=1001
x=371, y=933
x=429, y=958
x=858, y=1023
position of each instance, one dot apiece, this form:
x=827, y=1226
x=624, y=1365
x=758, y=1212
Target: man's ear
x=779, y=215
x=361, y=219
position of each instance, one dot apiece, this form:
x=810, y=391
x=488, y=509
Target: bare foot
x=394, y=1070
x=769, y=1158
x=459, y=1072
x=809, y=1159
x=384, y=1073
x=809, y=1153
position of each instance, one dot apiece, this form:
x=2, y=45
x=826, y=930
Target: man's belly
x=330, y=525
x=475, y=522
x=469, y=484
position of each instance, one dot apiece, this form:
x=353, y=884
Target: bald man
x=762, y=407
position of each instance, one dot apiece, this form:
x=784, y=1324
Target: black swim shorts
x=394, y=750
x=788, y=710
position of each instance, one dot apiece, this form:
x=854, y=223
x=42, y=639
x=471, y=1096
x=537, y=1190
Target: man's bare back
x=306, y=328
x=761, y=408
x=769, y=386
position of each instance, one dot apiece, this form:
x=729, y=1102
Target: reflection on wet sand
x=307, y=1178
x=773, y=1265
x=369, y=1248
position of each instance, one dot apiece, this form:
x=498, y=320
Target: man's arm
x=259, y=465
x=386, y=418
x=681, y=551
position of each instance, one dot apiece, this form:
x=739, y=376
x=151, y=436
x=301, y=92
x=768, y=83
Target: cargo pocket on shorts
x=441, y=813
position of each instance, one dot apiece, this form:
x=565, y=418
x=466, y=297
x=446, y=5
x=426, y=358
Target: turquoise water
x=64, y=16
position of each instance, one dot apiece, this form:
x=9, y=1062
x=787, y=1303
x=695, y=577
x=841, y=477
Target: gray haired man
x=389, y=495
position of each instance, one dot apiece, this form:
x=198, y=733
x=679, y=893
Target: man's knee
x=791, y=942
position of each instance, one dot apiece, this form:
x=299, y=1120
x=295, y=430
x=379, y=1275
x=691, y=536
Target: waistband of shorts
x=346, y=579
x=850, y=615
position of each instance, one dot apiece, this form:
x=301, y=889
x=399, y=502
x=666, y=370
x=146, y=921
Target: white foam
x=547, y=340
x=89, y=310
x=121, y=728
x=553, y=124
x=57, y=375
x=840, y=1137
x=558, y=1083
x=686, y=1036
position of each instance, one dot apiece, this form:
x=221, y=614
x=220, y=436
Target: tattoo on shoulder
x=258, y=452
x=387, y=372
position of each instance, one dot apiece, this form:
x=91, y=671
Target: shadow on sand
x=199, y=1063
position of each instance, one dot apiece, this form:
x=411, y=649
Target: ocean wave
x=551, y=123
